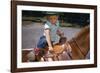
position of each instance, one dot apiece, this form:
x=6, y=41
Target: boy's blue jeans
x=42, y=46
x=42, y=43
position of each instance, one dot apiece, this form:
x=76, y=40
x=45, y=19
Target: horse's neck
x=80, y=44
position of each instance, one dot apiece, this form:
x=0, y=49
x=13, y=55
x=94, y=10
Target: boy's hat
x=52, y=13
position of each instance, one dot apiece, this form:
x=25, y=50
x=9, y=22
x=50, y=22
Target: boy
x=51, y=34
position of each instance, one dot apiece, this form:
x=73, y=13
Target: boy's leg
x=41, y=47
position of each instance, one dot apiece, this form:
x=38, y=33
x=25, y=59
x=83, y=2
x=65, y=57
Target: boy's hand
x=50, y=48
x=60, y=33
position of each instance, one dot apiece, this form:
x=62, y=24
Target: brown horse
x=80, y=44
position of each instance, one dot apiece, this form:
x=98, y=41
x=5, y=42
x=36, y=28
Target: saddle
x=58, y=49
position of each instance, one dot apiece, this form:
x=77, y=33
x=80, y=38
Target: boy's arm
x=48, y=38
